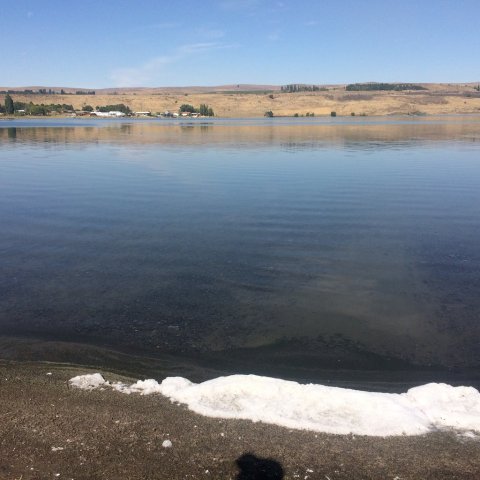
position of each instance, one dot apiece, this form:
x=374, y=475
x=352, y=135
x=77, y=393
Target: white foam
x=315, y=407
x=88, y=382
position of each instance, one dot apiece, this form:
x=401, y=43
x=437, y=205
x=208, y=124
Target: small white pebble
x=167, y=444
x=49, y=373
x=57, y=449
x=222, y=434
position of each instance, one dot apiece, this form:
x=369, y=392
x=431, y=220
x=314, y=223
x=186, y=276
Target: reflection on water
x=290, y=134
x=262, y=246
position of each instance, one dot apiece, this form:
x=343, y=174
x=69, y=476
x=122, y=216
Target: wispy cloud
x=311, y=23
x=238, y=4
x=155, y=67
x=158, y=26
x=210, y=33
x=273, y=37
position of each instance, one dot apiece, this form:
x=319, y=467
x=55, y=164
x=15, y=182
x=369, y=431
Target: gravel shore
x=48, y=431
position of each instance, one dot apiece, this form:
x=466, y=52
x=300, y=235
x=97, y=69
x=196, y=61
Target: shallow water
x=304, y=248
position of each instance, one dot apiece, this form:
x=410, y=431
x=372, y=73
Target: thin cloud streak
x=210, y=33
x=158, y=26
x=153, y=68
x=238, y=4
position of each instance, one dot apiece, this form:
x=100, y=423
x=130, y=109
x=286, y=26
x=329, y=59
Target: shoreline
x=394, y=378
x=435, y=99
x=48, y=429
x=300, y=118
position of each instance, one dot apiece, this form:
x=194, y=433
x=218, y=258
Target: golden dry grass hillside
x=254, y=101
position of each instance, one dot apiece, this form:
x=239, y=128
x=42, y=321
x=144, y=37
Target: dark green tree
x=87, y=108
x=33, y=109
x=187, y=108
x=19, y=106
x=205, y=110
x=268, y=114
x=120, y=107
x=9, y=110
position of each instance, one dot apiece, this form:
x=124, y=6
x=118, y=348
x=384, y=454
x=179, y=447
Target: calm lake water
x=342, y=250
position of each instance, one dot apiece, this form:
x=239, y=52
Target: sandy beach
x=50, y=430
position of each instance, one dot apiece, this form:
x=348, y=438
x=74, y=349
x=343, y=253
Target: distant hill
x=151, y=90
x=242, y=87
x=257, y=100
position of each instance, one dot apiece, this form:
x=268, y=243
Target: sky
x=154, y=43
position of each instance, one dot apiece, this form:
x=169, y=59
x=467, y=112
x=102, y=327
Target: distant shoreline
x=357, y=118
x=434, y=99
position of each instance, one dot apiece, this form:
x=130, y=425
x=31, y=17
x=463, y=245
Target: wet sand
x=49, y=430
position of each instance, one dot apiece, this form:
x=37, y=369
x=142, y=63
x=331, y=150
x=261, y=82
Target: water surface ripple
x=331, y=250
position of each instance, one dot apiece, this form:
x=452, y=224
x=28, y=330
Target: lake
x=343, y=251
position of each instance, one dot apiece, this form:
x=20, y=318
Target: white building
x=109, y=114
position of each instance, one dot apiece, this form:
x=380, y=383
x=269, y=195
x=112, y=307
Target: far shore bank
x=435, y=99
x=49, y=430
x=312, y=118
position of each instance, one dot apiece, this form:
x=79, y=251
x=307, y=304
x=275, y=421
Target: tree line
x=119, y=107
x=300, y=87
x=10, y=107
x=365, y=87
x=203, y=110
x=44, y=91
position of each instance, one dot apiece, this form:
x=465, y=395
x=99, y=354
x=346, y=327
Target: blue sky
x=102, y=43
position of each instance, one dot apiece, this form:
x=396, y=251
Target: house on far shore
x=143, y=114
x=113, y=113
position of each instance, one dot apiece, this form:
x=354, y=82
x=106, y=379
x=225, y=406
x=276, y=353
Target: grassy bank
x=436, y=99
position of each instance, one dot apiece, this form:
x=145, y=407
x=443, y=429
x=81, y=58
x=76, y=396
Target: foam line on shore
x=314, y=407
